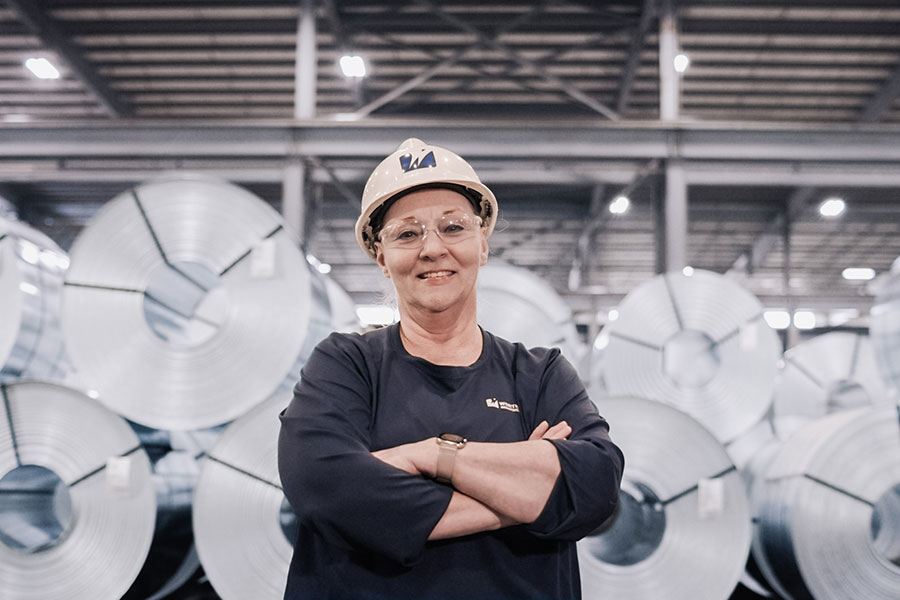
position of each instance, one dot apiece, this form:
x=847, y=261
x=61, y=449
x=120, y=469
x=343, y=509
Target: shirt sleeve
x=587, y=490
x=331, y=480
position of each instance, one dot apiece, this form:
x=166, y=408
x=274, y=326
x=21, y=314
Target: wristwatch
x=448, y=445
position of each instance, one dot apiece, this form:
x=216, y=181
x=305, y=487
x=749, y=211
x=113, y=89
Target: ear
x=379, y=258
x=484, y=251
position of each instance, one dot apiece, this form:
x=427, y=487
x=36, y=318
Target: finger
x=558, y=431
x=539, y=431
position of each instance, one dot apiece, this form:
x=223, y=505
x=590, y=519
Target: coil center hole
x=690, y=359
x=635, y=529
x=35, y=509
x=184, y=304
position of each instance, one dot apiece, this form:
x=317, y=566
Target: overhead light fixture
x=858, y=273
x=353, y=66
x=688, y=271
x=619, y=205
x=805, y=319
x=832, y=207
x=324, y=268
x=777, y=319
x=42, y=68
x=681, y=62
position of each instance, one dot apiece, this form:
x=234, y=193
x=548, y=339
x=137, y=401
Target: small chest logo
x=501, y=405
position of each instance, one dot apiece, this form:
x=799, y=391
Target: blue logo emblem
x=408, y=164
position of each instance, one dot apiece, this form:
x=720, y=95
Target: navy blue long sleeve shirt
x=364, y=524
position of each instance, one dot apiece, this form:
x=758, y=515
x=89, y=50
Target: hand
x=403, y=457
x=543, y=431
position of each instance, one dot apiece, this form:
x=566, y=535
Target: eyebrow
x=446, y=212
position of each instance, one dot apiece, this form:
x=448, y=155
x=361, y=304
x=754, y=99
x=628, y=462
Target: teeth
x=436, y=274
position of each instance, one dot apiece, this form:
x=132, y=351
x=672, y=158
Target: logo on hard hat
x=408, y=164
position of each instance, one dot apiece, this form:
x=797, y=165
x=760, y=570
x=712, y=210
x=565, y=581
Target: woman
x=431, y=459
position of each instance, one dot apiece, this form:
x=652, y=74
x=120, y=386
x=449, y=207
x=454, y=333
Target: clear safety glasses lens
x=451, y=228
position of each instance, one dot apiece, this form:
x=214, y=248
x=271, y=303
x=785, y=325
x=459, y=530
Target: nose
x=432, y=244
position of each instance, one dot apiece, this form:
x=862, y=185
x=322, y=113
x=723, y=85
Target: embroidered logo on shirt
x=494, y=403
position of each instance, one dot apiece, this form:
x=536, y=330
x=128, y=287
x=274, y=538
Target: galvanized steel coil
x=187, y=303
x=884, y=328
x=831, y=372
x=242, y=522
x=827, y=509
x=698, y=342
x=682, y=527
x=86, y=536
x=519, y=306
x=32, y=269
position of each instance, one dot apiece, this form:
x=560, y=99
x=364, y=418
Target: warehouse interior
x=738, y=161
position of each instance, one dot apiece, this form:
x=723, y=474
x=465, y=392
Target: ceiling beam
x=492, y=42
x=52, y=37
x=722, y=150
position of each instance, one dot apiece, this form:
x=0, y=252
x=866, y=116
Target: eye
x=406, y=233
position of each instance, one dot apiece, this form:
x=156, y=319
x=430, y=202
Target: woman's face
x=436, y=275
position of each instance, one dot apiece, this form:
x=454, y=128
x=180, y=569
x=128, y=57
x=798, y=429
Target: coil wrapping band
x=828, y=509
x=237, y=509
x=699, y=343
x=682, y=528
x=186, y=303
x=104, y=547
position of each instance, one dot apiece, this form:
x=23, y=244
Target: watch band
x=448, y=445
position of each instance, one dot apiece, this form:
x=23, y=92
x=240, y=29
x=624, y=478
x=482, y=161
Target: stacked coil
x=884, y=329
x=77, y=504
x=32, y=269
x=682, y=527
x=831, y=372
x=519, y=306
x=243, y=526
x=698, y=342
x=828, y=509
x=187, y=303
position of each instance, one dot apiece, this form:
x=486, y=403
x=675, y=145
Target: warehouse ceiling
x=557, y=103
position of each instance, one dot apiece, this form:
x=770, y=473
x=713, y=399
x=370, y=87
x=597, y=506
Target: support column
x=669, y=79
x=305, y=64
x=293, y=198
x=676, y=215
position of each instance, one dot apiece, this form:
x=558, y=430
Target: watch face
x=452, y=437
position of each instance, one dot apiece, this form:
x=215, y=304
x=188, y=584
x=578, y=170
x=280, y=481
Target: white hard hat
x=414, y=164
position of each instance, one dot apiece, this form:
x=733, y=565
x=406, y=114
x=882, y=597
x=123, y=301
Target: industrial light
x=688, y=271
x=681, y=63
x=858, y=273
x=353, y=66
x=777, y=319
x=804, y=319
x=324, y=268
x=832, y=207
x=613, y=315
x=42, y=68
x=619, y=205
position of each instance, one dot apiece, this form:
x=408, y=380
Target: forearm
x=465, y=516
x=514, y=479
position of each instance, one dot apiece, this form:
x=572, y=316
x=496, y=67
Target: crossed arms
x=495, y=484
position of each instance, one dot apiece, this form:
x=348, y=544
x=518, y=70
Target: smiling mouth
x=435, y=274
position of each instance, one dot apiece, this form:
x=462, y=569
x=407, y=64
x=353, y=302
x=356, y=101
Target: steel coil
x=519, y=306
x=32, y=268
x=682, y=527
x=884, y=328
x=828, y=373
x=187, y=303
x=828, y=509
x=77, y=505
x=242, y=522
x=698, y=342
